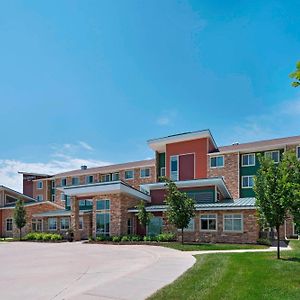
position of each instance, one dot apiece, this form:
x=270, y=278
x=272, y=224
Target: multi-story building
x=102, y=200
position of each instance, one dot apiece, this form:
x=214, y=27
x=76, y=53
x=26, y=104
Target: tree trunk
x=278, y=242
x=182, y=236
x=20, y=233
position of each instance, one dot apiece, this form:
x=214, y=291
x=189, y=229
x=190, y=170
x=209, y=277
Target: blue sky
x=91, y=81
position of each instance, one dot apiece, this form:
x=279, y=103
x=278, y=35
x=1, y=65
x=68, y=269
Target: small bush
x=125, y=238
x=266, y=242
x=116, y=239
x=56, y=237
x=135, y=238
x=102, y=238
x=149, y=238
x=165, y=237
x=47, y=237
x=91, y=239
x=39, y=236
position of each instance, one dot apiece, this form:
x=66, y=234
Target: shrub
x=135, y=238
x=47, y=236
x=116, y=239
x=102, y=238
x=266, y=242
x=37, y=236
x=125, y=238
x=149, y=238
x=91, y=239
x=165, y=237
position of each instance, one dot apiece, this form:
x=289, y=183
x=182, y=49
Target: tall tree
x=180, y=208
x=296, y=75
x=20, y=216
x=143, y=215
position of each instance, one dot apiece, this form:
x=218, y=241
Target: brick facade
x=230, y=172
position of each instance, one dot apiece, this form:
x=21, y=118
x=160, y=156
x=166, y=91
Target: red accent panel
x=186, y=167
x=199, y=147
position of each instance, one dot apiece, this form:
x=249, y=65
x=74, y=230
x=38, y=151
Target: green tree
x=20, y=216
x=296, y=75
x=180, y=208
x=143, y=215
x=277, y=191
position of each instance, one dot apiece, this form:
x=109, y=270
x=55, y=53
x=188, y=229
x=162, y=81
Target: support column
x=75, y=218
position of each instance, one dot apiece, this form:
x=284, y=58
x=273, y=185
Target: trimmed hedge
x=41, y=236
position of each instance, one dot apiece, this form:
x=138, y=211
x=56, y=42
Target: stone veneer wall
x=30, y=210
x=230, y=172
x=119, y=205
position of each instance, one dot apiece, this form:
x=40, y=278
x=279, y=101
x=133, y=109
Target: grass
x=200, y=247
x=6, y=239
x=239, y=276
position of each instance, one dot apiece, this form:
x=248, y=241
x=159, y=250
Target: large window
x=10, y=199
x=163, y=171
x=52, y=224
x=115, y=176
x=39, y=198
x=36, y=224
x=81, y=223
x=247, y=182
x=248, y=160
x=89, y=179
x=62, y=197
x=217, y=162
x=39, y=184
x=233, y=222
x=75, y=181
x=103, y=217
x=298, y=152
x=129, y=174
x=274, y=155
x=130, y=226
x=145, y=173
x=191, y=225
x=208, y=222
x=174, y=168
x=64, y=223
x=63, y=182
x=9, y=224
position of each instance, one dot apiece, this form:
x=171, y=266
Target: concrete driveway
x=86, y=271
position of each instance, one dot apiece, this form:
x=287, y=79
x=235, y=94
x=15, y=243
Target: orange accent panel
x=199, y=147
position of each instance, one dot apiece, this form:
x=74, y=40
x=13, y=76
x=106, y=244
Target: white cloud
x=61, y=161
x=85, y=146
x=163, y=121
x=166, y=118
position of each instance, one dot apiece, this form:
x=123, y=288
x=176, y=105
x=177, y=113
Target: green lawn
x=239, y=276
x=198, y=247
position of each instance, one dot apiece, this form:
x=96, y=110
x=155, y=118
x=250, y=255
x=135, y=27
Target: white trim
x=273, y=151
x=177, y=177
x=164, y=172
x=248, y=154
x=208, y=230
x=37, y=185
x=64, y=218
x=49, y=226
x=40, y=197
x=63, y=178
x=247, y=187
x=87, y=176
x=36, y=203
x=216, y=167
x=11, y=197
x=145, y=176
x=105, y=176
x=234, y=231
x=129, y=170
x=112, y=174
x=12, y=225
x=77, y=179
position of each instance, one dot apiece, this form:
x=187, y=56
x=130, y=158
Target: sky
x=89, y=82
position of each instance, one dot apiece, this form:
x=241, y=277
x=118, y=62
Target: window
x=9, y=224
x=144, y=173
x=75, y=181
x=129, y=174
x=64, y=223
x=36, y=225
x=80, y=223
x=81, y=202
x=68, y=200
x=52, y=184
x=63, y=182
x=274, y=155
x=191, y=226
x=89, y=202
x=10, y=199
x=233, y=222
x=103, y=217
x=208, y=222
x=248, y=160
x=247, y=182
x=295, y=229
x=102, y=204
x=62, y=197
x=39, y=185
x=53, y=197
x=89, y=179
x=52, y=224
x=174, y=167
x=130, y=226
x=298, y=152
x=39, y=198
x=217, y=162
x=105, y=178
x=163, y=171
x=115, y=176
x=202, y=196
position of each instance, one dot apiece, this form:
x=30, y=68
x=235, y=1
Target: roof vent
x=235, y=143
x=83, y=167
